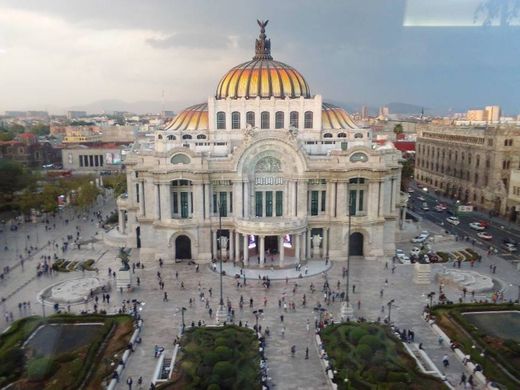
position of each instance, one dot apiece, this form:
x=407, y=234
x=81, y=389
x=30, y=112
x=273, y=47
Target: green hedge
x=40, y=368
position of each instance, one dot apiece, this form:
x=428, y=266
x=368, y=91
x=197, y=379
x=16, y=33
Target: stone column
x=403, y=217
x=325, y=242
x=166, y=204
x=141, y=198
x=297, y=238
x=231, y=245
x=282, y=249
x=332, y=196
x=197, y=201
x=246, y=250
x=237, y=245
x=120, y=222
x=308, y=244
x=302, y=199
x=157, y=202
x=262, y=250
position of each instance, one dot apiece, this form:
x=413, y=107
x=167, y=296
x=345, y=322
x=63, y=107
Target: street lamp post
x=221, y=314
x=390, y=310
x=347, y=312
x=430, y=295
x=257, y=314
x=183, y=323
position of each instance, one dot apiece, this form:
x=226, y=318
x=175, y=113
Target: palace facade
x=262, y=172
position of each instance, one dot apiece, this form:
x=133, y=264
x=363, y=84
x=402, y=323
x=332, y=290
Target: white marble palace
x=263, y=172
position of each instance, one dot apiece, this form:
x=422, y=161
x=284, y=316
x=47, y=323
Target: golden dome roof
x=262, y=77
x=335, y=118
x=191, y=118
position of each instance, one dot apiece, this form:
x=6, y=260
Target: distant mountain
x=405, y=108
x=139, y=107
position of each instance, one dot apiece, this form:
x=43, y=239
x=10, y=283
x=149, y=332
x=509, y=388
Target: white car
x=477, y=226
x=421, y=237
x=415, y=251
x=510, y=247
x=484, y=235
x=401, y=256
x=453, y=220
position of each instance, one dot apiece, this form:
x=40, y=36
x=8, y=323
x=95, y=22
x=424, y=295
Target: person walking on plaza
x=165, y=298
x=445, y=361
x=463, y=380
x=129, y=382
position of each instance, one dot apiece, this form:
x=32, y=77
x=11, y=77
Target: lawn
x=501, y=358
x=57, y=357
x=372, y=358
x=217, y=358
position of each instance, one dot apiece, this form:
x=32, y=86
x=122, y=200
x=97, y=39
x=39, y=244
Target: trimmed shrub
x=364, y=351
x=223, y=369
x=40, y=368
x=213, y=386
x=356, y=334
x=373, y=342
x=396, y=376
x=224, y=353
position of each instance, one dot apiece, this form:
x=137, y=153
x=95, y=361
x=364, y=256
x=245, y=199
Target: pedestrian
x=165, y=298
x=445, y=361
x=129, y=382
x=381, y=293
x=176, y=275
x=359, y=304
x=470, y=381
x=307, y=353
x=462, y=379
x=353, y=289
x=281, y=317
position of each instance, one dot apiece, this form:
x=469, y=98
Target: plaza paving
x=162, y=319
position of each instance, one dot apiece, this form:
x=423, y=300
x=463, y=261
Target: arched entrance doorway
x=356, y=244
x=183, y=247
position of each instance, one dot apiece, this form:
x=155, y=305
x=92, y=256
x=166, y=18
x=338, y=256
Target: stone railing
x=271, y=226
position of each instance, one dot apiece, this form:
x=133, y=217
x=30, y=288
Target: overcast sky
x=440, y=54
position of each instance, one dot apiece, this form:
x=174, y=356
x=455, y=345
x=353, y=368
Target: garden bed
x=371, y=357
x=217, y=358
x=51, y=364
x=488, y=350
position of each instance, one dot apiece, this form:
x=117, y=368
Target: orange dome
x=262, y=77
x=191, y=118
x=335, y=118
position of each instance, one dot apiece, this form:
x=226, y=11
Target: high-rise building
x=76, y=114
x=492, y=113
x=384, y=111
x=364, y=112
x=475, y=115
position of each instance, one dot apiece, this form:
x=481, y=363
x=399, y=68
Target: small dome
x=262, y=77
x=335, y=118
x=191, y=118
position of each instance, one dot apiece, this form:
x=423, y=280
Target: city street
x=498, y=228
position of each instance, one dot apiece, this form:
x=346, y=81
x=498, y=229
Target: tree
x=116, y=182
x=398, y=129
x=40, y=129
x=87, y=194
x=13, y=177
x=6, y=135
x=407, y=172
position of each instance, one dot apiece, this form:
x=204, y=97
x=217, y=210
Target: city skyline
x=58, y=56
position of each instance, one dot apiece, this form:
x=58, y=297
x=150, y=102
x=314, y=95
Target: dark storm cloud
x=351, y=50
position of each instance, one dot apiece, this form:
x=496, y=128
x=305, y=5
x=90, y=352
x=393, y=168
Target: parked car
x=453, y=220
x=510, y=247
x=509, y=241
x=421, y=237
x=441, y=207
x=415, y=251
x=421, y=198
x=484, y=235
x=477, y=226
x=401, y=256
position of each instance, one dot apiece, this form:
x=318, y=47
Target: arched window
x=264, y=119
x=279, y=118
x=358, y=135
x=294, y=119
x=250, y=118
x=186, y=136
x=342, y=135
x=308, y=120
x=159, y=136
x=171, y=138
x=201, y=136
x=221, y=120
x=235, y=120
x=327, y=135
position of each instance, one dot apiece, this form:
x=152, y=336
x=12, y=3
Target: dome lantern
x=262, y=77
